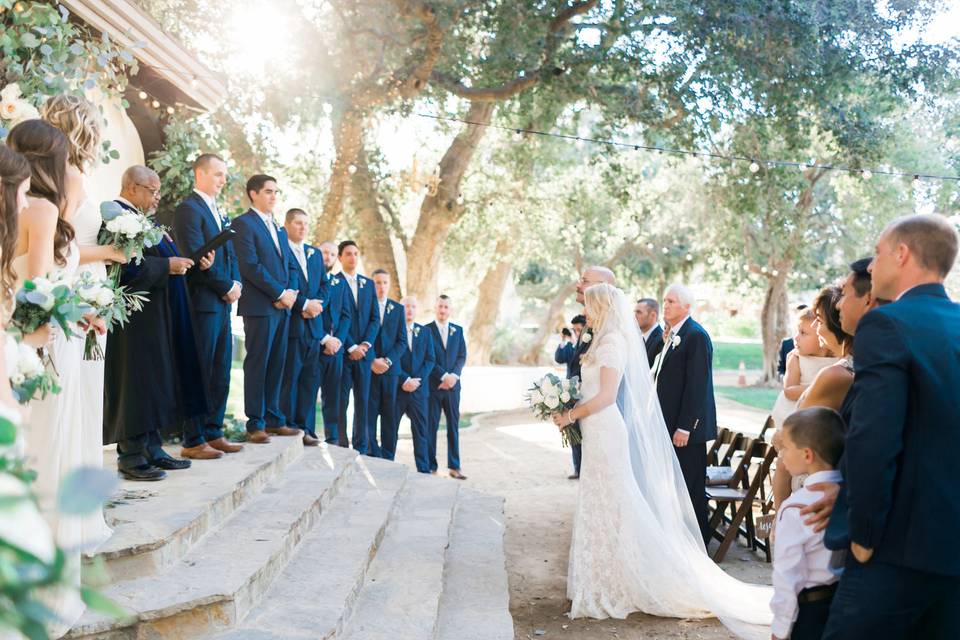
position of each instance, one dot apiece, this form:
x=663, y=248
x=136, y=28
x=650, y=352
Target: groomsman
x=647, y=313
x=684, y=379
x=389, y=347
x=336, y=329
x=902, y=577
x=195, y=221
x=450, y=350
x=301, y=373
x=264, y=256
x=364, y=326
x=416, y=365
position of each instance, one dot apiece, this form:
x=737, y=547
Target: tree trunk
x=552, y=323
x=347, y=140
x=773, y=323
x=438, y=213
x=375, y=242
x=489, y=294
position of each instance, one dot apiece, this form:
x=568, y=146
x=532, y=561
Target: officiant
x=153, y=378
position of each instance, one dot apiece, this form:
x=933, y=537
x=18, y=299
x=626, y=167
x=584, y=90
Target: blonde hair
x=598, y=301
x=80, y=120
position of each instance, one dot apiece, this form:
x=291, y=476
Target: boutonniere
x=334, y=281
x=674, y=342
x=310, y=252
x=416, y=330
x=586, y=337
x=453, y=330
x=389, y=307
x=361, y=282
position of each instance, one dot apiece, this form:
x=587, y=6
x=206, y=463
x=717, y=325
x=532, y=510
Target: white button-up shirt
x=271, y=226
x=352, y=283
x=800, y=561
x=212, y=205
x=301, y=256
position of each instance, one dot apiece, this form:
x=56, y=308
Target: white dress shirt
x=271, y=226
x=800, y=561
x=301, y=256
x=352, y=283
x=444, y=330
x=667, y=347
x=212, y=205
x=410, y=336
x=382, y=304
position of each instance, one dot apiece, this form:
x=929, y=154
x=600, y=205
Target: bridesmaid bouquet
x=113, y=303
x=28, y=375
x=553, y=394
x=128, y=231
x=41, y=301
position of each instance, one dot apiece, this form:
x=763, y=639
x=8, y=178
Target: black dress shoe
x=170, y=464
x=573, y=476
x=143, y=473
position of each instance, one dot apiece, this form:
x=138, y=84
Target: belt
x=816, y=594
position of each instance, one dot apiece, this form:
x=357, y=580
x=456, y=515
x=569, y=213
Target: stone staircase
x=279, y=541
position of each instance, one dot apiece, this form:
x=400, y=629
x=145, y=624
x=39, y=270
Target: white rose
x=114, y=225
x=17, y=111
x=104, y=297
x=536, y=397
x=11, y=92
x=552, y=401
x=28, y=362
x=564, y=397
x=586, y=337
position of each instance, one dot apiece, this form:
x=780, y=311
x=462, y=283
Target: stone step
x=319, y=586
x=475, y=604
x=223, y=576
x=156, y=524
x=400, y=597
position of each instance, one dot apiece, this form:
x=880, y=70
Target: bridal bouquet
x=128, y=231
x=553, y=394
x=28, y=375
x=111, y=302
x=42, y=300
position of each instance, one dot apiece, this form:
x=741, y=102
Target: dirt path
x=510, y=455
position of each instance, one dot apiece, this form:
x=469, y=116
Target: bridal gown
x=54, y=431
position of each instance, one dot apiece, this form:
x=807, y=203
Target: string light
x=155, y=104
x=352, y=169
x=754, y=167
x=867, y=174
x=142, y=95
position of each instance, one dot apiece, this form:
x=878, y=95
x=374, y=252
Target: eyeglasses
x=153, y=192
x=584, y=281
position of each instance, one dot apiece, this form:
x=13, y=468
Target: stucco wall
x=104, y=181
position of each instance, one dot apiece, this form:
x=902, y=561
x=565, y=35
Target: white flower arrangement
x=674, y=342
x=416, y=330
x=310, y=252
x=453, y=329
x=29, y=377
x=361, y=281
x=586, y=337
x=551, y=395
x=14, y=108
x=334, y=281
x=389, y=307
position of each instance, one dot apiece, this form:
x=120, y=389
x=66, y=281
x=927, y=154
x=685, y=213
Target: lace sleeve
x=611, y=353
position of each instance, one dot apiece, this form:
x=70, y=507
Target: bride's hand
x=41, y=337
x=559, y=420
x=116, y=255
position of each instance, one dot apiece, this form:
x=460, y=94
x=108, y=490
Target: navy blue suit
x=899, y=467
x=336, y=324
x=265, y=270
x=654, y=344
x=449, y=359
x=785, y=348
x=685, y=390
x=391, y=342
x=301, y=373
x=194, y=224
x=569, y=354
x=364, y=327
x=417, y=362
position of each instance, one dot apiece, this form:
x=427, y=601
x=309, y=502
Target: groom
x=684, y=377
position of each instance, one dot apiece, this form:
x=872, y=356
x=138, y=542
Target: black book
x=213, y=243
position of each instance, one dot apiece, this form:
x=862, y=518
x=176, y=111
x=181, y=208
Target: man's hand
x=207, y=261
x=680, y=438
x=410, y=385
x=359, y=353
x=286, y=300
x=179, y=266
x=311, y=309
x=380, y=366
x=820, y=510
x=862, y=554
x=233, y=295
x=332, y=346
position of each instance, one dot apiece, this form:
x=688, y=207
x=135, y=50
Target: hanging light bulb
x=194, y=81
x=170, y=110
x=352, y=169
x=867, y=174
x=650, y=246
x=666, y=251
x=916, y=181
x=155, y=104
x=142, y=95
x=327, y=108
x=754, y=167
x=746, y=267
x=775, y=273
x=763, y=269
x=689, y=258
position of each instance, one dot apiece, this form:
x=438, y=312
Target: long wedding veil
x=744, y=608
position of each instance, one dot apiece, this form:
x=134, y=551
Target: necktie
x=352, y=281
x=302, y=259
x=382, y=306
x=661, y=357
x=216, y=217
x=444, y=330
x=410, y=339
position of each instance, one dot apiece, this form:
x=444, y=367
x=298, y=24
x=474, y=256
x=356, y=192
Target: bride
x=636, y=544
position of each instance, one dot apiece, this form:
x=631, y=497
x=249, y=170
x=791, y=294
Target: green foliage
x=761, y=398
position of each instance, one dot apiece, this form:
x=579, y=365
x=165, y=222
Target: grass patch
x=757, y=397
x=727, y=355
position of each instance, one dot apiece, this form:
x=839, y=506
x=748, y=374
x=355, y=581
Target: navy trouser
x=576, y=452
x=301, y=382
x=215, y=348
x=356, y=378
x=265, y=339
x=383, y=405
x=331, y=372
x=448, y=402
x=414, y=406
x=140, y=449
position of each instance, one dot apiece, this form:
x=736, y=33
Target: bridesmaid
x=79, y=120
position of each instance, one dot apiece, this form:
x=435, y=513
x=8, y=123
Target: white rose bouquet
x=28, y=375
x=553, y=394
x=14, y=107
x=111, y=302
x=128, y=231
x=42, y=300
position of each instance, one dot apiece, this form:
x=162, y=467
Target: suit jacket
x=364, y=315
x=311, y=286
x=391, y=340
x=654, y=344
x=569, y=353
x=905, y=431
x=337, y=309
x=450, y=359
x=264, y=269
x=419, y=361
x=194, y=224
x=785, y=348
x=685, y=384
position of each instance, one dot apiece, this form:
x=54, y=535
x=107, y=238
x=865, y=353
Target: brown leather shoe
x=200, y=452
x=222, y=444
x=284, y=431
x=455, y=473
x=258, y=437
x=310, y=441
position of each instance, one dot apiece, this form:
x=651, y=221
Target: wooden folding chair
x=723, y=437
x=739, y=495
x=721, y=471
x=767, y=426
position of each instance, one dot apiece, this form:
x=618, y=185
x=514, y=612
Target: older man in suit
x=902, y=579
x=647, y=314
x=684, y=379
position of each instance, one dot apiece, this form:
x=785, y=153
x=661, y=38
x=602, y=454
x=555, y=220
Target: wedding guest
x=569, y=340
x=336, y=328
x=684, y=380
x=647, y=313
x=389, y=346
x=154, y=380
x=416, y=365
x=266, y=298
x=196, y=221
x=804, y=571
x=903, y=579
x=831, y=384
x=364, y=327
x=450, y=351
x=301, y=373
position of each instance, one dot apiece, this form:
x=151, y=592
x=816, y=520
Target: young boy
x=804, y=571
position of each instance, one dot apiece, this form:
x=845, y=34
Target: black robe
x=153, y=379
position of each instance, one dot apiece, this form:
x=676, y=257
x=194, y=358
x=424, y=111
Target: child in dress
x=805, y=572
